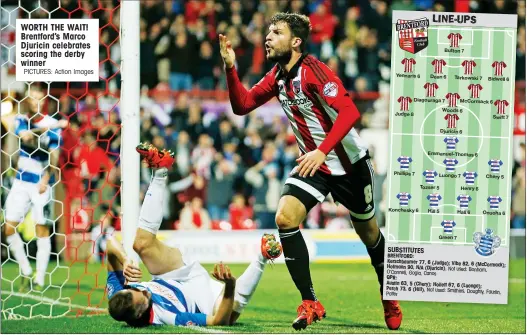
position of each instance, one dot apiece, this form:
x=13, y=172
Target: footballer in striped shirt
x=334, y=159
x=448, y=226
x=470, y=177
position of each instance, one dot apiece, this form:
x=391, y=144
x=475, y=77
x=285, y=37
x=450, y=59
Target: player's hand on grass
x=226, y=51
x=223, y=274
x=310, y=162
x=131, y=271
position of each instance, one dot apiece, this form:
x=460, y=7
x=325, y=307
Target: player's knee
x=140, y=245
x=285, y=221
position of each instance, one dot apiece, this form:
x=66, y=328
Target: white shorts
x=23, y=196
x=198, y=284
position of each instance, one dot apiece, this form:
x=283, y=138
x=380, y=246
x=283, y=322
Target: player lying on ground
x=181, y=292
x=334, y=158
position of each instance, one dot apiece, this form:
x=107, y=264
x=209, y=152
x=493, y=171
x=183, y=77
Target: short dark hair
x=299, y=25
x=121, y=308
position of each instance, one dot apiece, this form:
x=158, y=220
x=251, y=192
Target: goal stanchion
x=84, y=207
x=130, y=93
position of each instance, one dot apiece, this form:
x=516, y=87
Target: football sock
x=247, y=283
x=297, y=261
x=18, y=252
x=43, y=253
x=151, y=215
x=376, y=253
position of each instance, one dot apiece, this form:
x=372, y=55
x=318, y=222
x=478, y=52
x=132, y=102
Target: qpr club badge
x=413, y=34
x=486, y=243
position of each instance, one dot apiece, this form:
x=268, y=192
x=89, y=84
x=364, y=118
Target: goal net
x=63, y=274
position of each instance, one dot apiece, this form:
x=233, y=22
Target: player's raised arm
x=244, y=101
x=223, y=314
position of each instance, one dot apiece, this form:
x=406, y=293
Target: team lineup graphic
x=450, y=144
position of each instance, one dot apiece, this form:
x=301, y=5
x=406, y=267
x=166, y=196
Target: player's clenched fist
x=223, y=273
x=226, y=51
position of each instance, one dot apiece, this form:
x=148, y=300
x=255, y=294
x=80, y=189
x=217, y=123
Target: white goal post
x=129, y=109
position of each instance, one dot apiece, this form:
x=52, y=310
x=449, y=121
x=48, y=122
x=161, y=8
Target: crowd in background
x=229, y=170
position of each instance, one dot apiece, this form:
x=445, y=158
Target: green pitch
x=348, y=291
x=419, y=129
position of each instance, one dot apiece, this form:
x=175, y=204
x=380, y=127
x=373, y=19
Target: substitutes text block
x=57, y=50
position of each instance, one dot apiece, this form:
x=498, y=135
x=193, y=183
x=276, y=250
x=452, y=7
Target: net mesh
x=84, y=204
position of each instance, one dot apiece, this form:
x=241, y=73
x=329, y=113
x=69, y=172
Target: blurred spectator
x=183, y=151
x=263, y=177
x=93, y=161
x=323, y=27
x=194, y=217
x=194, y=125
x=240, y=215
x=101, y=230
x=220, y=187
x=182, y=54
x=202, y=156
x=206, y=65
x=148, y=59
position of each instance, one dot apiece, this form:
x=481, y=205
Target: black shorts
x=354, y=190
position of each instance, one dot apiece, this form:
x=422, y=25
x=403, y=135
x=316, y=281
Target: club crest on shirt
x=330, y=89
x=296, y=86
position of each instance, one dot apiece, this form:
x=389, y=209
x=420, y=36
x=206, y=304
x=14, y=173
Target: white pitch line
x=54, y=302
x=51, y=301
x=206, y=330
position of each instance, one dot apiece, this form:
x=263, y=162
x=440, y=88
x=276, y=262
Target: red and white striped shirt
x=469, y=66
x=438, y=65
x=452, y=99
x=501, y=104
x=454, y=39
x=451, y=120
x=408, y=64
x=498, y=68
x=318, y=106
x=431, y=89
x=405, y=102
x=474, y=90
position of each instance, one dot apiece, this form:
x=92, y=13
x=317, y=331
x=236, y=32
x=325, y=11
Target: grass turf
x=348, y=291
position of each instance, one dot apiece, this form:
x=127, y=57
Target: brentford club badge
x=296, y=86
x=413, y=34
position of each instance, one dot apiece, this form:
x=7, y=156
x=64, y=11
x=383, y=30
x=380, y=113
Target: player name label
x=467, y=77
x=57, y=50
